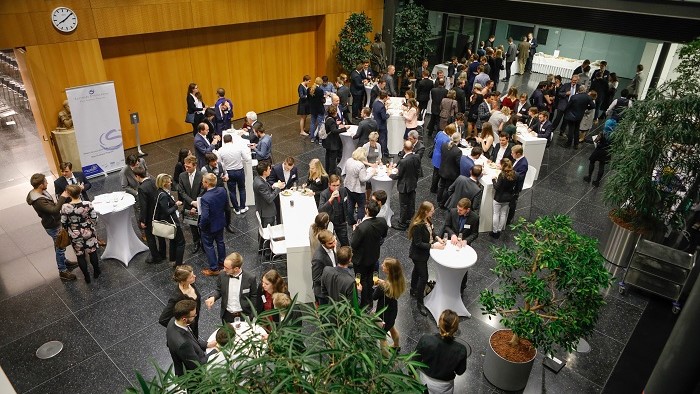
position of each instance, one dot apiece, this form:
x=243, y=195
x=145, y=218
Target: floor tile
x=43, y=304
x=18, y=276
x=29, y=239
x=97, y=374
x=18, y=216
x=10, y=250
x=140, y=351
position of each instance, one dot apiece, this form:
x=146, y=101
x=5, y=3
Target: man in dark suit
x=436, y=94
x=265, y=197
x=212, y=222
x=70, y=177
x=376, y=89
x=520, y=166
x=564, y=93
x=544, y=128
x=407, y=176
x=452, y=67
x=365, y=127
x=357, y=90
x=422, y=68
x=189, y=188
x=343, y=93
x=285, y=172
x=380, y=115
x=324, y=256
x=202, y=146
x=502, y=149
x=575, y=109
x=466, y=187
x=531, y=53
x=366, y=242
x=462, y=222
x=147, y=197
x=423, y=88
x=467, y=162
x=333, y=201
x=418, y=148
x=339, y=281
x=186, y=350
x=237, y=289
x=461, y=95
x=537, y=97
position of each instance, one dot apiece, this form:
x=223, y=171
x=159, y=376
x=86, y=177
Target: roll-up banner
x=97, y=128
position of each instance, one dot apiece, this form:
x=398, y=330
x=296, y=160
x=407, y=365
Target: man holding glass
x=238, y=290
x=462, y=227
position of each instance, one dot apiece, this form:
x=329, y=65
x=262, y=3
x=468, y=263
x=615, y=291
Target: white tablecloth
x=123, y=243
x=396, y=125
x=381, y=181
x=297, y=219
x=243, y=333
x=533, y=147
x=368, y=90
x=548, y=64
x=451, y=265
x=349, y=146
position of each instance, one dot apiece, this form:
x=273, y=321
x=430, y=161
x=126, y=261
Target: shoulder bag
x=62, y=239
x=161, y=228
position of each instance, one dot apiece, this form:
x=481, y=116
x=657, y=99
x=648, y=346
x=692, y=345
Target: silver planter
x=618, y=244
x=504, y=374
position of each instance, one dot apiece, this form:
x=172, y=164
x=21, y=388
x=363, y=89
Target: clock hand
x=69, y=15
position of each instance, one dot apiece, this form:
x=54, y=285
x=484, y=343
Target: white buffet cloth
x=382, y=181
x=490, y=171
x=297, y=219
x=548, y=64
x=244, y=332
x=368, y=90
x=349, y=146
x=451, y=265
x=533, y=147
x=123, y=243
x=396, y=125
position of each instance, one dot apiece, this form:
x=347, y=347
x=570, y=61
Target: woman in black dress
x=166, y=210
x=421, y=234
x=387, y=294
x=503, y=192
x=186, y=290
x=195, y=106
x=303, y=106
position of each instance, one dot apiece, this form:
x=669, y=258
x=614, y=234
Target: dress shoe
x=504, y=80
x=67, y=276
x=102, y=243
x=229, y=229
x=96, y=273
x=422, y=309
x=412, y=293
x=209, y=272
x=587, y=178
x=596, y=183
x=195, y=248
x=151, y=260
x=71, y=265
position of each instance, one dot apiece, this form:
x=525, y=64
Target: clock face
x=64, y=19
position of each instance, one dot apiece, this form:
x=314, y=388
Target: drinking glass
x=357, y=279
x=375, y=277
x=237, y=322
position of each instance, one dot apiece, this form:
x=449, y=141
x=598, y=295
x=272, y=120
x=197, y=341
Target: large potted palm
x=655, y=162
x=548, y=295
x=353, y=44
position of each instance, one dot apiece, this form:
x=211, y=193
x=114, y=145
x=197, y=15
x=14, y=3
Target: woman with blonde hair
x=373, y=150
x=186, y=290
x=387, y=294
x=318, y=178
x=443, y=356
x=503, y=193
x=315, y=100
x=356, y=177
x=410, y=115
x=166, y=208
x=448, y=109
x=423, y=238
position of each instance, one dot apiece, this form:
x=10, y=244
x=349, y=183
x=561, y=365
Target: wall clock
x=64, y=19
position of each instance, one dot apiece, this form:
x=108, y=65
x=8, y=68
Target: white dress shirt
x=331, y=254
x=233, y=304
x=234, y=154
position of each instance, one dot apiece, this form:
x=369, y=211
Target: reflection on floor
x=109, y=328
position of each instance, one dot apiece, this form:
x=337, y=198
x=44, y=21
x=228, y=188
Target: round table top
x=244, y=332
x=112, y=202
x=454, y=257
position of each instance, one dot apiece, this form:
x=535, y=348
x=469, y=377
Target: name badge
x=264, y=300
x=245, y=291
x=292, y=177
x=467, y=226
x=345, y=199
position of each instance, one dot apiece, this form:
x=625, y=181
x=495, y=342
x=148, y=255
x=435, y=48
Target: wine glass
x=375, y=277
x=357, y=279
x=237, y=322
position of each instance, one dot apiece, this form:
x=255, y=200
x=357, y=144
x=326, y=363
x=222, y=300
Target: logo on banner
x=91, y=91
x=111, y=140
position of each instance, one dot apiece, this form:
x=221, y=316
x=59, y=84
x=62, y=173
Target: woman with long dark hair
x=315, y=98
x=195, y=106
x=303, y=106
x=503, y=193
x=186, y=290
x=422, y=237
x=78, y=218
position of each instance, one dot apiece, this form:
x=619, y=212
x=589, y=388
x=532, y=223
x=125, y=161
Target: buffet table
x=298, y=213
x=533, y=147
x=396, y=125
x=114, y=212
x=349, y=146
x=451, y=264
x=548, y=64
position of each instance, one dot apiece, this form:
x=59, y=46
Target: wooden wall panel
x=149, y=18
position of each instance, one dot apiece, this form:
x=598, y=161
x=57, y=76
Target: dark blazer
x=461, y=97
x=61, y=182
x=522, y=111
x=537, y=99
x=333, y=142
x=407, y=175
x=562, y=98
x=470, y=229
x=365, y=127
x=544, y=130
x=201, y=147
x=449, y=162
x=185, y=349
x=147, y=195
x=277, y=174
x=373, y=94
x=577, y=106
x=335, y=209
x=423, y=87
x=318, y=186
x=265, y=196
x=174, y=298
x=357, y=87
x=166, y=207
x=420, y=243
x=504, y=189
x=315, y=101
x=366, y=241
x=466, y=164
x=214, y=203
x=319, y=261
x=187, y=194
x=380, y=115
x=337, y=282
x=247, y=297
x=437, y=94
x=464, y=187
x=191, y=108
x=497, y=148
x=521, y=168
x=344, y=95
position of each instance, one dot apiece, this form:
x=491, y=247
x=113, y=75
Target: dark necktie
x=462, y=219
x=236, y=277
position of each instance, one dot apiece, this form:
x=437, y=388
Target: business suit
x=564, y=93
x=147, y=198
x=464, y=187
x=461, y=97
x=247, y=296
x=357, y=90
x=319, y=261
x=373, y=94
x=265, y=196
x=407, y=176
x=467, y=226
x=61, y=182
x=575, y=109
x=522, y=111
x=344, y=96
x=423, y=88
x=187, y=194
x=185, y=350
x=176, y=296
x=506, y=155
x=337, y=211
x=523, y=54
x=511, y=54
x=332, y=144
x=365, y=127
x=419, y=253
x=418, y=149
x=211, y=224
x=531, y=54
x=436, y=94
x=277, y=174
x=381, y=116
x=449, y=169
x=544, y=130
x=192, y=108
x=202, y=146
x=366, y=242
x=337, y=282
x=520, y=167
x=390, y=85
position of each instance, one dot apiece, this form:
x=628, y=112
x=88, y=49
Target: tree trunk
x=515, y=340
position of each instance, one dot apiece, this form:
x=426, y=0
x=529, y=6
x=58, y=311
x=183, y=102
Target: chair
x=278, y=249
x=528, y=182
x=268, y=233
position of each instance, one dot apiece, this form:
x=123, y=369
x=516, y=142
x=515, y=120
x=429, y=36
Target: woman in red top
x=511, y=99
x=270, y=284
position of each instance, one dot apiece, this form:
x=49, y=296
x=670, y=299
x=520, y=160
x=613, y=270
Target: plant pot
x=504, y=374
x=618, y=244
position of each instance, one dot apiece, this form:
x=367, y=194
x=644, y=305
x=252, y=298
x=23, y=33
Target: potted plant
x=411, y=33
x=337, y=351
x=655, y=160
x=549, y=295
x=353, y=44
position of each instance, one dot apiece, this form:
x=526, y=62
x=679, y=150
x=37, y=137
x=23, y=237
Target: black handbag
x=189, y=118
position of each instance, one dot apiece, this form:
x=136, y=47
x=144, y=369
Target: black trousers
x=356, y=105
x=558, y=118
x=601, y=169
x=572, y=132
x=332, y=160
x=341, y=231
x=367, y=282
x=508, y=64
x=407, y=207
x=435, y=180
x=433, y=123
x=177, y=247
x=195, y=234
x=511, y=208
x=156, y=253
x=419, y=277
x=443, y=185
x=422, y=106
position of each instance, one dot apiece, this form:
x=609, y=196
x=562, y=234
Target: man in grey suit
x=339, y=281
x=511, y=53
x=390, y=83
x=324, y=256
x=189, y=188
x=464, y=187
x=238, y=290
x=186, y=350
x=265, y=196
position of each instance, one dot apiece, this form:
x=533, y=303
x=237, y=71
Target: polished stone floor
x=109, y=328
